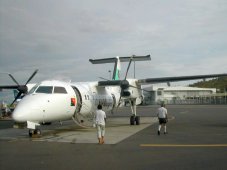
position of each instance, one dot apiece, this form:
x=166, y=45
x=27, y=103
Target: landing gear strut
x=134, y=118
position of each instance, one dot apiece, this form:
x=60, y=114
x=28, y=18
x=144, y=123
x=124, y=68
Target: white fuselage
x=57, y=101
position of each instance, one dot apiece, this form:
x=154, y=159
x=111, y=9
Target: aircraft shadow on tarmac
x=117, y=129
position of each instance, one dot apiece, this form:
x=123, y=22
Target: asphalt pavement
x=196, y=139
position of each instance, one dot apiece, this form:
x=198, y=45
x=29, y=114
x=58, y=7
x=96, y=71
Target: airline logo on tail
x=117, y=68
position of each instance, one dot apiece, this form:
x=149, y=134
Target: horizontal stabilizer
x=122, y=59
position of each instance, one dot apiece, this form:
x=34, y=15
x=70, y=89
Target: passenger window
x=60, y=90
x=44, y=89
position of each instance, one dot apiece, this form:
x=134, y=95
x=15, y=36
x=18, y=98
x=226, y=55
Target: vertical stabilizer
x=117, y=68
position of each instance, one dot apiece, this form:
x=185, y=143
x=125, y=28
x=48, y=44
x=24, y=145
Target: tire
x=132, y=120
x=37, y=132
x=30, y=132
x=137, y=119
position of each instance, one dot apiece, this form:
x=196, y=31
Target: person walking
x=100, y=119
x=163, y=118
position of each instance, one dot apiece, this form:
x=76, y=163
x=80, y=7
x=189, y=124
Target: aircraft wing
x=159, y=80
x=174, y=79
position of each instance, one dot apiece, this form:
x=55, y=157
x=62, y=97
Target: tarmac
x=196, y=139
x=117, y=129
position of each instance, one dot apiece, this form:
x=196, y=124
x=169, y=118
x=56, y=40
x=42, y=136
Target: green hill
x=218, y=83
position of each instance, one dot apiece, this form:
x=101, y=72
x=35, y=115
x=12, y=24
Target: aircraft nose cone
x=16, y=117
x=22, y=110
x=19, y=115
x=28, y=109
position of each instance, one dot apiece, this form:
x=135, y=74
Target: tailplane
x=117, y=60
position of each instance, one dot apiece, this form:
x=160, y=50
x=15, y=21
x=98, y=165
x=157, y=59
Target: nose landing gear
x=34, y=132
x=134, y=119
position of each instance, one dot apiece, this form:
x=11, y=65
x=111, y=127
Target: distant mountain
x=218, y=83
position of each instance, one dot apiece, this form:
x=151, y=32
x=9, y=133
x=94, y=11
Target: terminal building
x=182, y=95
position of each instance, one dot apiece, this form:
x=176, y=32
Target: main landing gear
x=134, y=119
x=34, y=132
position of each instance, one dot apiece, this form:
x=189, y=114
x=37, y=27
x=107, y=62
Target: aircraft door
x=80, y=116
x=79, y=100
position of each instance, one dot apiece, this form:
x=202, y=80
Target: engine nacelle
x=126, y=93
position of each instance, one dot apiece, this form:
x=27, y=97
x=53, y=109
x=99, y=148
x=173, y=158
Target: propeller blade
x=18, y=95
x=31, y=76
x=9, y=87
x=119, y=102
x=13, y=79
x=103, y=78
x=119, y=99
x=128, y=67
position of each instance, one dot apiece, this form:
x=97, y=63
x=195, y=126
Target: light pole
x=225, y=94
x=134, y=69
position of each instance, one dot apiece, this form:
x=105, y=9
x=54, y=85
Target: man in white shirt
x=100, y=119
x=163, y=119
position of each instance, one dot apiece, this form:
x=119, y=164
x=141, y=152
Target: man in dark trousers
x=163, y=119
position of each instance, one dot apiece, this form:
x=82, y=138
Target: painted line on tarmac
x=177, y=145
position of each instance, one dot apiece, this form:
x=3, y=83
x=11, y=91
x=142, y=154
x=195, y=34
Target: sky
x=183, y=37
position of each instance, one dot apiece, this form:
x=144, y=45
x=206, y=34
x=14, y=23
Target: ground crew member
x=163, y=119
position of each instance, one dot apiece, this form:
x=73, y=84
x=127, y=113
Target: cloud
x=59, y=37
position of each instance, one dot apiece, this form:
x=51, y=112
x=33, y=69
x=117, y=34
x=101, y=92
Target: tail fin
x=117, y=68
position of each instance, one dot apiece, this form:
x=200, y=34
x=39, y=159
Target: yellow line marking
x=177, y=145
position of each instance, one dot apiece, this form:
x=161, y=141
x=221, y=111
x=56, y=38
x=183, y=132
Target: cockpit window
x=60, y=90
x=44, y=89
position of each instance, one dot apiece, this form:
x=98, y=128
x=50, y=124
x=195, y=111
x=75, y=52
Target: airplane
x=54, y=100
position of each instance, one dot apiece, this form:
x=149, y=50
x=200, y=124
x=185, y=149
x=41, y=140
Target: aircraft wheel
x=137, y=119
x=132, y=120
x=37, y=132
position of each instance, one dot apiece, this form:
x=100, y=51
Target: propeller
x=128, y=67
x=23, y=89
x=104, y=78
x=124, y=84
